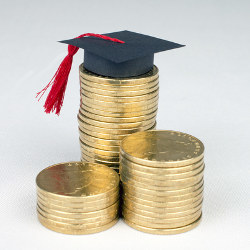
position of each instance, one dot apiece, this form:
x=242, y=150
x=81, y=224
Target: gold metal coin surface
x=147, y=77
x=162, y=148
x=166, y=221
x=160, y=210
x=120, y=87
x=166, y=204
x=113, y=165
x=76, y=180
x=122, y=114
x=99, y=145
x=156, y=194
x=111, y=125
x=188, y=169
x=120, y=92
x=101, y=219
x=161, y=184
x=106, y=212
x=65, y=229
x=164, y=231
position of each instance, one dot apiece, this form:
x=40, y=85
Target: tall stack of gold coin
x=112, y=108
x=162, y=179
x=77, y=197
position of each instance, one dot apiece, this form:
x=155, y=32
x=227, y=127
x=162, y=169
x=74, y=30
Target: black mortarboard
x=132, y=58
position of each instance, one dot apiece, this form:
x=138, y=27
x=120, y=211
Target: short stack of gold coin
x=162, y=179
x=77, y=197
x=112, y=108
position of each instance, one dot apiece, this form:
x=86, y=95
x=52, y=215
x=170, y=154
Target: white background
x=204, y=91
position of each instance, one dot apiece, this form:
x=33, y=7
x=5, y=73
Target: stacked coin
x=162, y=180
x=77, y=197
x=112, y=108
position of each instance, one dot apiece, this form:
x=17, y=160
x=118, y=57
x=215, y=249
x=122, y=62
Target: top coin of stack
x=77, y=197
x=162, y=180
x=112, y=108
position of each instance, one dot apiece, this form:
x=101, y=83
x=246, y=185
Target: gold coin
x=112, y=125
x=159, y=195
x=156, y=185
x=116, y=114
x=162, y=148
x=164, y=231
x=147, y=77
x=101, y=157
x=100, y=219
x=161, y=221
x=160, y=177
x=118, y=92
x=65, y=229
x=188, y=169
x=103, y=162
x=160, y=210
x=168, y=183
x=106, y=212
x=107, y=201
x=74, y=180
x=167, y=204
x=121, y=131
x=113, y=106
x=99, y=145
x=121, y=99
x=149, y=118
x=120, y=87
x=164, y=214
x=166, y=198
x=142, y=220
x=94, y=151
x=68, y=209
x=101, y=135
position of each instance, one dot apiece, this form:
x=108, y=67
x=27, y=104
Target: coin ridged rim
x=101, y=157
x=63, y=230
x=112, y=125
x=75, y=210
x=173, y=185
x=164, y=231
x=102, y=135
x=102, y=212
x=163, y=204
x=120, y=87
x=121, y=99
x=104, y=219
x=148, y=76
x=161, y=221
x=161, y=210
x=80, y=203
x=167, y=198
x=138, y=220
x=119, y=93
x=99, y=145
x=163, y=214
x=161, y=171
x=118, y=120
x=161, y=177
x=109, y=104
x=113, y=165
x=155, y=163
x=116, y=114
x=86, y=198
x=167, y=182
x=155, y=193
x=116, y=131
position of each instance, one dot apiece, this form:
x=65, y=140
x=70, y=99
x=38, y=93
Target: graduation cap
x=118, y=54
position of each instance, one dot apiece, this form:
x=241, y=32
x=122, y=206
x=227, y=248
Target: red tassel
x=59, y=81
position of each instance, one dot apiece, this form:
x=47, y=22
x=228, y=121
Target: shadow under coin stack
x=162, y=180
x=112, y=108
x=77, y=197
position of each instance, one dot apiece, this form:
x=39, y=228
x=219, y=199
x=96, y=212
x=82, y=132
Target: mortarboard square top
x=132, y=58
